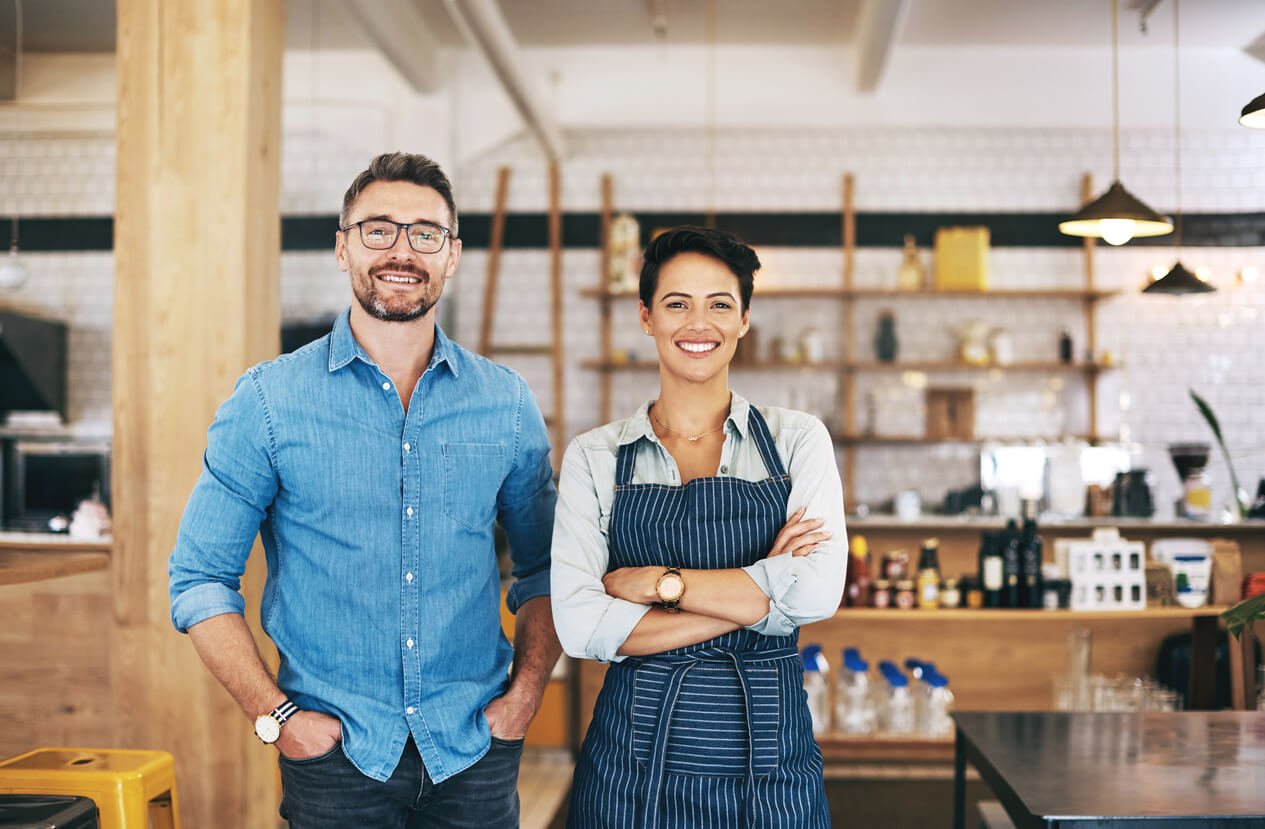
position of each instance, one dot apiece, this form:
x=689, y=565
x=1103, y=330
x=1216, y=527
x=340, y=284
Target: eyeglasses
x=380, y=234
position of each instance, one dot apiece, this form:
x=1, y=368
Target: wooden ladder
x=553, y=349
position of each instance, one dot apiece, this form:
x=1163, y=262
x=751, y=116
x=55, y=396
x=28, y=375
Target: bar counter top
x=29, y=557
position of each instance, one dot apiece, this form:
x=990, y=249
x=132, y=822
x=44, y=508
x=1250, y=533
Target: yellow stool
x=132, y=789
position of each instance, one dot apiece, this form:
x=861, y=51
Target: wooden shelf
x=922, y=440
x=946, y=365
x=843, y=365
x=1011, y=616
x=811, y=292
x=762, y=365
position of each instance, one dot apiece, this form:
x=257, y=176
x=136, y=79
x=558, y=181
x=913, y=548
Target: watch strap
x=284, y=711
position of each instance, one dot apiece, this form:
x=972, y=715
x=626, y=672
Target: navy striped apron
x=716, y=734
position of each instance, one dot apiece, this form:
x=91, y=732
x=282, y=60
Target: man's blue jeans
x=328, y=792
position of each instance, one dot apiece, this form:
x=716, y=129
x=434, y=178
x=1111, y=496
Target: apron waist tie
x=680, y=665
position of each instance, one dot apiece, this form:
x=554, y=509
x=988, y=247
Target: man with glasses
x=373, y=463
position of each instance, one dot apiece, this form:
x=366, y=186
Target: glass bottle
x=816, y=687
x=910, y=276
x=1030, y=551
x=854, y=707
x=1010, y=565
x=929, y=575
x=991, y=569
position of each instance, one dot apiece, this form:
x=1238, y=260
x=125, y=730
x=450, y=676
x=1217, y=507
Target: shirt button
x=410, y=644
x=724, y=470
x=386, y=386
x=408, y=577
x=408, y=710
x=409, y=512
x=408, y=447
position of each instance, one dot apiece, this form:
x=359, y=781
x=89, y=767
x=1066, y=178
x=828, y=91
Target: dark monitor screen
x=58, y=482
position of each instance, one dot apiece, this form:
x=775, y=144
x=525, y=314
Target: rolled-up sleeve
x=804, y=589
x=525, y=505
x=223, y=515
x=591, y=624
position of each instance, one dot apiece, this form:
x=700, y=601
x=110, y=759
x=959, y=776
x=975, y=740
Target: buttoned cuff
x=525, y=589
x=200, y=603
x=614, y=628
x=774, y=576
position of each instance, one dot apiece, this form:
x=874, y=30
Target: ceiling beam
x=877, y=30
x=484, y=25
x=400, y=32
x=10, y=20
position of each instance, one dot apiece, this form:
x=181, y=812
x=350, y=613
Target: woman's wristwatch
x=670, y=587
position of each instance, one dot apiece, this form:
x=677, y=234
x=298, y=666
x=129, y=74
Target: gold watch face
x=671, y=586
x=267, y=729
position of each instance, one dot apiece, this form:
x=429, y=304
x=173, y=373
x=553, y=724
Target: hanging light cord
x=1177, y=122
x=1115, y=92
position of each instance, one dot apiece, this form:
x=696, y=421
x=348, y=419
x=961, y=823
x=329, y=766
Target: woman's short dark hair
x=725, y=247
x=410, y=167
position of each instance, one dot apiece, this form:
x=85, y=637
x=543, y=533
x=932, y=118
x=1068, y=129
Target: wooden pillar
x=197, y=262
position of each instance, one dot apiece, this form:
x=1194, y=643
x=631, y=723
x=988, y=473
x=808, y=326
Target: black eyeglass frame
x=447, y=234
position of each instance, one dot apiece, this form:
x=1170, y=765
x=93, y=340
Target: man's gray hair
x=410, y=167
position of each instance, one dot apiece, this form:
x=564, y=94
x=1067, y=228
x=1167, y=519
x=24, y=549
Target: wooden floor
x=544, y=782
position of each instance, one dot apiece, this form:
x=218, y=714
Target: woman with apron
x=691, y=542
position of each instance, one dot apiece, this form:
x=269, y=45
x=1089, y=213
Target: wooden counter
x=29, y=557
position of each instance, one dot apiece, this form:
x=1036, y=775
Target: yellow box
x=132, y=789
x=962, y=259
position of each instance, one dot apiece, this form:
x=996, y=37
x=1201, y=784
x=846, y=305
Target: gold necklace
x=691, y=438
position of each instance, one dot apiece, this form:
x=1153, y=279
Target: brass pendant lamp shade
x=1178, y=281
x=1254, y=113
x=1116, y=216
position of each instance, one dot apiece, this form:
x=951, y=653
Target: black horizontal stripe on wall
x=583, y=230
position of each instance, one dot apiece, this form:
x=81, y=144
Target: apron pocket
x=708, y=724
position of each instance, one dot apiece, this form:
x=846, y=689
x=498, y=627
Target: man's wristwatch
x=670, y=587
x=268, y=726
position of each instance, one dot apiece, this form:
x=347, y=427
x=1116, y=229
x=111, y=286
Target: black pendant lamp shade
x=1254, y=113
x=1178, y=281
x=1116, y=207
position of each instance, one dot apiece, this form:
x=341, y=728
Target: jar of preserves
x=881, y=596
x=904, y=597
x=950, y=594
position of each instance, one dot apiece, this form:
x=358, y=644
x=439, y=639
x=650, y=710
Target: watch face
x=267, y=729
x=671, y=587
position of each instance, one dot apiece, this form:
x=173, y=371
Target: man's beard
x=375, y=305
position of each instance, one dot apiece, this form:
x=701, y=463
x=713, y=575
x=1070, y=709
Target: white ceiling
x=87, y=25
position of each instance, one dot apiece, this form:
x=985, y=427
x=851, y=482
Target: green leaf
x=1206, y=411
x=1243, y=613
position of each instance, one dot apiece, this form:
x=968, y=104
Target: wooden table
x=1193, y=769
x=36, y=557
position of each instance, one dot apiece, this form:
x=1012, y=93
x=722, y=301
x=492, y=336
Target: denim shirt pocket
x=473, y=473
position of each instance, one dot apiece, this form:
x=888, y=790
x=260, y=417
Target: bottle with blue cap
x=817, y=687
x=854, y=705
x=936, y=722
x=896, y=714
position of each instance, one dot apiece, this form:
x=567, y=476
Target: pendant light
x=1117, y=215
x=12, y=272
x=1178, y=280
x=1254, y=113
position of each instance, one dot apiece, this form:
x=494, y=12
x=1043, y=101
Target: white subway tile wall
x=1162, y=346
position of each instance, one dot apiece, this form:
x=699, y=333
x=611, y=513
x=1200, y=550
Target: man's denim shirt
x=383, y=595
